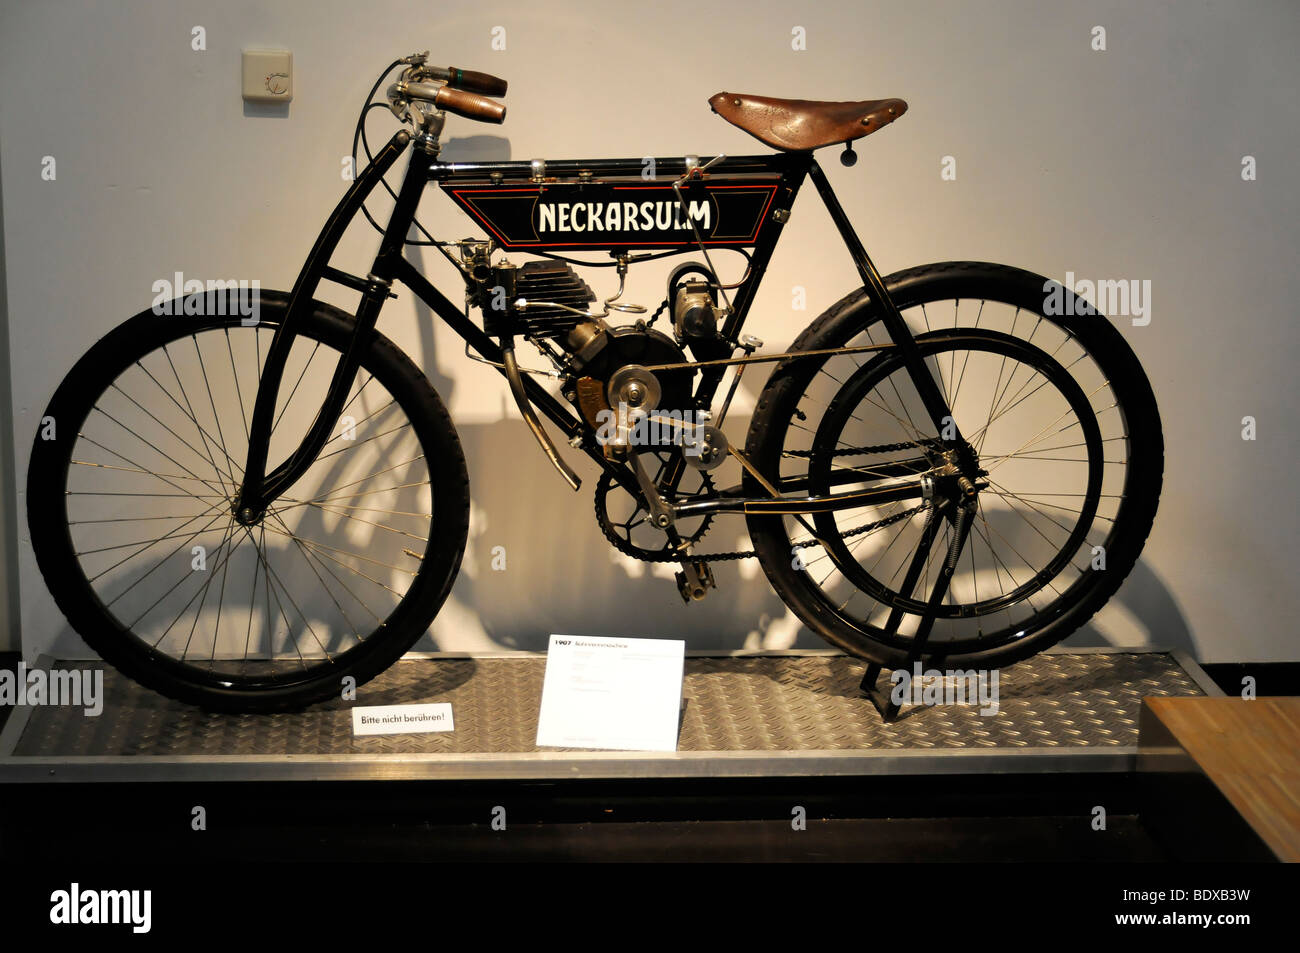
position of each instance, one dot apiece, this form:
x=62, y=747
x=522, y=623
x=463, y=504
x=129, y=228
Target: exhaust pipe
x=530, y=418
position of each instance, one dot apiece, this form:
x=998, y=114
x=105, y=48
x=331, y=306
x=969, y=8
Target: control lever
x=749, y=344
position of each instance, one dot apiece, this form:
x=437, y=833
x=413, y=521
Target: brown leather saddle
x=799, y=125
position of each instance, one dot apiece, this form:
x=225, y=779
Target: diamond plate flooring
x=736, y=703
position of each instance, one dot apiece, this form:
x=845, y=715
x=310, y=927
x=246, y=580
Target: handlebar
x=469, y=105
x=473, y=81
x=448, y=88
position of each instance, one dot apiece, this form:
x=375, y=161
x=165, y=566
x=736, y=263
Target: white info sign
x=402, y=719
x=620, y=694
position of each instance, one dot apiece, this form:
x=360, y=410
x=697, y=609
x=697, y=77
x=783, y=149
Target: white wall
x=1116, y=164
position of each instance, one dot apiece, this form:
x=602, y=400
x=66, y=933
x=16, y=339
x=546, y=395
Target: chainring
x=620, y=531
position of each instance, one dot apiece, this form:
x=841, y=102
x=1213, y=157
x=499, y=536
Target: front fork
x=258, y=488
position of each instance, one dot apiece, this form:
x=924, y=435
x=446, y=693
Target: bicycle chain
x=637, y=553
x=866, y=451
x=658, y=311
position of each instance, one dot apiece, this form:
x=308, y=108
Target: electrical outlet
x=268, y=76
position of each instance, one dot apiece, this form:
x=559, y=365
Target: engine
x=603, y=356
x=546, y=301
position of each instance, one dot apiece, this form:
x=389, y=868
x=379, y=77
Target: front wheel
x=130, y=493
x=1055, y=413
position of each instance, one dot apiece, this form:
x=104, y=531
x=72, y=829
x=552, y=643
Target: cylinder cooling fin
x=538, y=295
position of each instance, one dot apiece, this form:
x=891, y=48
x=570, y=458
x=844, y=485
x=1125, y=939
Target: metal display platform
x=785, y=714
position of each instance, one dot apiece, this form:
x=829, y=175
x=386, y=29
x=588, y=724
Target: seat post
x=931, y=396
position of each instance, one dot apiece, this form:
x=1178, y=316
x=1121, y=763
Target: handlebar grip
x=470, y=105
x=473, y=81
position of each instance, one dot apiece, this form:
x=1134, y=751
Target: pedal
x=695, y=580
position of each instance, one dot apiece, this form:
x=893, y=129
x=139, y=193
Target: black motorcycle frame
x=260, y=488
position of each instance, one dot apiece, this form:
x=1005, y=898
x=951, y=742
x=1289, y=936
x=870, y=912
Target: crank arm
x=661, y=514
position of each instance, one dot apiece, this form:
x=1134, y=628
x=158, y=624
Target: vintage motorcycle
x=941, y=467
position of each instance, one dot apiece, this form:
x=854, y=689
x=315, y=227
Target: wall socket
x=268, y=76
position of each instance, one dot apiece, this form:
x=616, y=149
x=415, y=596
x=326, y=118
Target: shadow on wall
x=476, y=149
x=266, y=110
x=1149, y=603
x=561, y=576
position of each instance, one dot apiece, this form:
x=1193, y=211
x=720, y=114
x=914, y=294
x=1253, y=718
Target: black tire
x=852, y=321
x=266, y=682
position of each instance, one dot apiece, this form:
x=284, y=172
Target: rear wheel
x=130, y=509
x=1055, y=409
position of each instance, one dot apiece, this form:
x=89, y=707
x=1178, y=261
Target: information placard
x=617, y=694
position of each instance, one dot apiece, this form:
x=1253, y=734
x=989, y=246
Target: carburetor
x=476, y=261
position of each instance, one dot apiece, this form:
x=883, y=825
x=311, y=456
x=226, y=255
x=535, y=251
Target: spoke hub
x=247, y=516
x=959, y=472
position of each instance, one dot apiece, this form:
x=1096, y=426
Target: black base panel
x=1005, y=818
